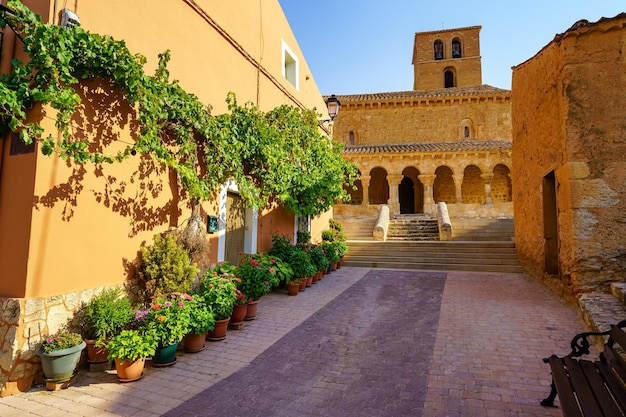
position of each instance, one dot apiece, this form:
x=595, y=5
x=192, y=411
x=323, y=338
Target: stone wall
x=423, y=121
x=23, y=322
x=568, y=124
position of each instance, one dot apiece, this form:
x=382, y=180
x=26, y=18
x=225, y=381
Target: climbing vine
x=277, y=156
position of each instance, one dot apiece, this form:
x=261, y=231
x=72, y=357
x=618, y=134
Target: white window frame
x=290, y=65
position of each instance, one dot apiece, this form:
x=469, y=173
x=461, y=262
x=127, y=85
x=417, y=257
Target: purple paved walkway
x=466, y=344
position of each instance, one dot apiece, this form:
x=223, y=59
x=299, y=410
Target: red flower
x=156, y=307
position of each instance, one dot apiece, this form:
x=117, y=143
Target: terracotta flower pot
x=128, y=371
x=96, y=354
x=293, y=288
x=302, y=283
x=193, y=343
x=219, y=331
x=309, y=280
x=238, y=314
x=252, y=310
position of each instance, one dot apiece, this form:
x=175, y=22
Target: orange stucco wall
x=67, y=227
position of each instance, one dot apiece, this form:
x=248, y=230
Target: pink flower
x=167, y=304
x=272, y=270
x=272, y=261
x=181, y=304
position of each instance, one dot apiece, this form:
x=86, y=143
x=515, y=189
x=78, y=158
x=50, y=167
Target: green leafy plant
x=60, y=340
x=168, y=318
x=132, y=345
x=105, y=315
x=257, y=274
x=301, y=263
x=201, y=317
x=164, y=268
x=284, y=271
x=317, y=257
x=303, y=236
x=330, y=251
x=281, y=247
x=278, y=156
x=219, y=290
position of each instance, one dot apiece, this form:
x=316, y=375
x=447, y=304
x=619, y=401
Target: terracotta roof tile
x=475, y=145
x=478, y=90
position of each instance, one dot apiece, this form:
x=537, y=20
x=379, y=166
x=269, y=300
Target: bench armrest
x=580, y=343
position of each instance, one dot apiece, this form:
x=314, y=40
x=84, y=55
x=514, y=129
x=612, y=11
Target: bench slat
x=569, y=405
x=602, y=396
x=615, y=385
x=586, y=399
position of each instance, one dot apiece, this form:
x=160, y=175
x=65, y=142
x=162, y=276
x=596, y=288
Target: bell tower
x=447, y=58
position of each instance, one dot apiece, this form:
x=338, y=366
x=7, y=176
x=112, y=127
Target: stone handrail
x=443, y=221
x=382, y=224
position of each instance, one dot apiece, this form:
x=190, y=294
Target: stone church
x=447, y=140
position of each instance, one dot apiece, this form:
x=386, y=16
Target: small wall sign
x=211, y=224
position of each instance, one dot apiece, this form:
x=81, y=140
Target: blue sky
x=365, y=46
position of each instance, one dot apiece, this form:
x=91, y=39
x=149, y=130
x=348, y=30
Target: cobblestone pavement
x=359, y=343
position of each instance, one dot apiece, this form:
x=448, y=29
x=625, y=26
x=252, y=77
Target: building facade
x=68, y=230
x=447, y=140
x=568, y=165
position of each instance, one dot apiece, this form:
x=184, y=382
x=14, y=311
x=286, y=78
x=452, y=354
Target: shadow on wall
x=105, y=118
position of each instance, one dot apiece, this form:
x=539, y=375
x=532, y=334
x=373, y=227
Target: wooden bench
x=590, y=387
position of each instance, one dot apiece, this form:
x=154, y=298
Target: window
x=290, y=66
x=448, y=78
x=351, y=137
x=456, y=48
x=466, y=132
x=438, y=50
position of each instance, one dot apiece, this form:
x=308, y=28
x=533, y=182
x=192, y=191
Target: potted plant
x=258, y=276
x=104, y=316
x=163, y=268
x=60, y=354
x=319, y=260
x=201, y=320
x=219, y=290
x=129, y=350
x=302, y=265
x=167, y=322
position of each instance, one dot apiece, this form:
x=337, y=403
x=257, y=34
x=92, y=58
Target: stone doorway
x=550, y=225
x=411, y=192
x=407, y=196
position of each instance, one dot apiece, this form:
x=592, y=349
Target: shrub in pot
x=129, y=350
x=104, y=316
x=163, y=268
x=60, y=353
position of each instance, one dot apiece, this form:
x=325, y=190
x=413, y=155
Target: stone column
x=429, y=203
x=394, y=199
x=487, y=177
x=365, y=183
x=458, y=183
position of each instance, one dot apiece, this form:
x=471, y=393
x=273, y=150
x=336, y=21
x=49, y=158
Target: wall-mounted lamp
x=332, y=104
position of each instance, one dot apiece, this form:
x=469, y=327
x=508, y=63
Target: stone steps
x=452, y=256
x=413, y=228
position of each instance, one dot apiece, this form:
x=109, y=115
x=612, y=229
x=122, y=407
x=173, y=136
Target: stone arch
x=473, y=186
x=438, y=50
x=411, y=192
x=449, y=77
x=378, y=190
x=501, y=188
x=356, y=196
x=443, y=186
x=457, y=50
